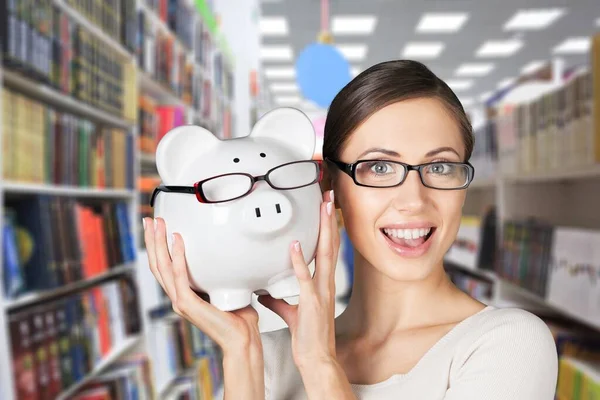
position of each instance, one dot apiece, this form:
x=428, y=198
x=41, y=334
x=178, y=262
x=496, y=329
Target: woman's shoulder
x=508, y=333
x=508, y=322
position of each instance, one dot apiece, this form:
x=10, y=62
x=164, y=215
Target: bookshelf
x=49, y=95
x=120, y=350
x=196, y=79
x=540, y=155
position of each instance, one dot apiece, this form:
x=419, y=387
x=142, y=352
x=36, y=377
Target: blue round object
x=321, y=72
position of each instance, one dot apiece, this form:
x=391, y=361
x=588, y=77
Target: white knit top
x=495, y=354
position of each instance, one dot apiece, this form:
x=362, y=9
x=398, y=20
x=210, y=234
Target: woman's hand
x=236, y=332
x=232, y=331
x=311, y=322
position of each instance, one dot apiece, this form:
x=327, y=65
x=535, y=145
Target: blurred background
x=89, y=87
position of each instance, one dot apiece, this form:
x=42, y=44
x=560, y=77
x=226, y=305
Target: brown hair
x=383, y=84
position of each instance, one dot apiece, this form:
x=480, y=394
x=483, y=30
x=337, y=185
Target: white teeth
x=407, y=233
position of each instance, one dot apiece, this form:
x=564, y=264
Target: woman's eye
x=440, y=168
x=380, y=168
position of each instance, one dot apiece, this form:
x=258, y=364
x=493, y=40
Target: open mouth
x=413, y=241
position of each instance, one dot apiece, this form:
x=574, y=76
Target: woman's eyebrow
x=441, y=150
x=379, y=150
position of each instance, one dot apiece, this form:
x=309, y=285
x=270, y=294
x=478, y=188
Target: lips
x=409, y=242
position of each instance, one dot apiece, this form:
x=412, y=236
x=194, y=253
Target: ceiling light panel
x=467, y=102
x=280, y=72
x=282, y=87
x=354, y=71
x=504, y=83
x=533, y=19
x=574, y=45
x=442, y=22
x=532, y=67
x=353, y=52
x=273, y=26
x=499, y=48
x=485, y=96
x=423, y=50
x=474, y=69
x=459, y=84
x=288, y=99
x=276, y=53
x=353, y=25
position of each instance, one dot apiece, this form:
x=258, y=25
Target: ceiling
x=396, y=23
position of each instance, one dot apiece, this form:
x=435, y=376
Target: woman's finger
x=324, y=263
x=301, y=270
x=163, y=258
x=150, y=249
x=335, y=236
x=287, y=312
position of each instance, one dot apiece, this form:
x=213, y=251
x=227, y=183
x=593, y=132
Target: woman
x=397, y=144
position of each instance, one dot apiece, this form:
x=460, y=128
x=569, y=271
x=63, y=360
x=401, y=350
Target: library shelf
x=95, y=30
x=117, y=351
x=171, y=383
x=573, y=173
x=56, y=98
x=162, y=25
x=31, y=299
x=534, y=298
x=147, y=158
x=12, y=187
x=513, y=295
x=159, y=91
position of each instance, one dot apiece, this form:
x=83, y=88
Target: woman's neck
x=379, y=305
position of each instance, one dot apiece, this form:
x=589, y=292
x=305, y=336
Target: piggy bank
x=240, y=203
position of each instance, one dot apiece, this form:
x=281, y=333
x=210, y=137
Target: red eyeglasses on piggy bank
x=240, y=203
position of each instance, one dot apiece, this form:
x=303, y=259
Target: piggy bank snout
x=266, y=213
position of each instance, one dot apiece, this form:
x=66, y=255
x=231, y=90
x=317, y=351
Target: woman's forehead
x=410, y=127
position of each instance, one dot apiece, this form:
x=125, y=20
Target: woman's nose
x=411, y=196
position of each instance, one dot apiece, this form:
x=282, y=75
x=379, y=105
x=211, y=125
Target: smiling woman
x=397, y=144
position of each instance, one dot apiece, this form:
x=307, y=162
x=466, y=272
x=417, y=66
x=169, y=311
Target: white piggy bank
x=240, y=203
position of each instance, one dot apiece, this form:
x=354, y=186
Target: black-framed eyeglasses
x=232, y=186
x=442, y=175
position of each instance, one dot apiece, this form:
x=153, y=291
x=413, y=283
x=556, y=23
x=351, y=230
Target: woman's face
x=379, y=220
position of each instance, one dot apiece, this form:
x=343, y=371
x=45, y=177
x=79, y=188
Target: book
x=73, y=151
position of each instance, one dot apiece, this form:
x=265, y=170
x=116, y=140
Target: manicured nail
x=155, y=224
x=329, y=206
x=331, y=195
x=297, y=246
x=144, y=223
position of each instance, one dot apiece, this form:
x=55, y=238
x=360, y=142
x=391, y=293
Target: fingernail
x=144, y=223
x=329, y=206
x=172, y=238
x=331, y=195
x=297, y=246
x=155, y=224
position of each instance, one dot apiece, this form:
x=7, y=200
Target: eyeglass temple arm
x=171, y=189
x=347, y=168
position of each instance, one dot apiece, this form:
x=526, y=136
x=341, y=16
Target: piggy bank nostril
x=257, y=210
x=278, y=208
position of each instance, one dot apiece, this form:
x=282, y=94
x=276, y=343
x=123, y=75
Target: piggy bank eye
x=236, y=160
x=263, y=155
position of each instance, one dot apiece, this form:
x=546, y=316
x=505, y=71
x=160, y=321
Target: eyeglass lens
x=293, y=175
x=287, y=176
x=226, y=187
x=438, y=175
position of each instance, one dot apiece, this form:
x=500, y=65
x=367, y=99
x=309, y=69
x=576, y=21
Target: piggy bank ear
x=180, y=147
x=289, y=126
